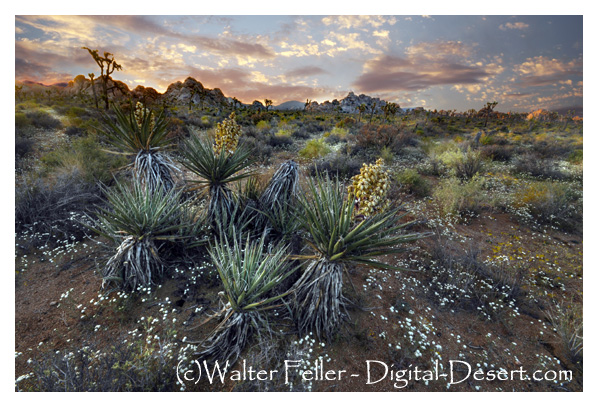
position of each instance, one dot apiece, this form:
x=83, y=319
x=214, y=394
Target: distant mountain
x=291, y=105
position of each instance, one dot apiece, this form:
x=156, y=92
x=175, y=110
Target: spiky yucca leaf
x=144, y=136
x=130, y=135
x=216, y=171
x=338, y=240
x=320, y=304
x=336, y=235
x=139, y=220
x=249, y=276
x=282, y=188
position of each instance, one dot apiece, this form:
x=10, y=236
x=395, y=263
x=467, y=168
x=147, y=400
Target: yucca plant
x=277, y=203
x=339, y=239
x=140, y=222
x=282, y=188
x=142, y=134
x=216, y=171
x=249, y=277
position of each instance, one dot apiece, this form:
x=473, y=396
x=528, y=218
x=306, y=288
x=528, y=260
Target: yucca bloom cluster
x=227, y=135
x=139, y=112
x=369, y=189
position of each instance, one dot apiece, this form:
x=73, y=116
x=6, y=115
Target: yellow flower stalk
x=227, y=135
x=369, y=189
x=139, y=112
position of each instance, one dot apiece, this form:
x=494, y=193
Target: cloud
x=541, y=71
x=513, y=26
x=421, y=69
x=308, y=70
x=33, y=62
x=97, y=30
x=443, y=50
x=346, y=22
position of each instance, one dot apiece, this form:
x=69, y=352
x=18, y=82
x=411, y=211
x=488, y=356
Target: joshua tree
x=91, y=77
x=267, y=103
x=372, y=109
x=307, y=104
x=487, y=110
x=390, y=109
x=361, y=110
x=107, y=66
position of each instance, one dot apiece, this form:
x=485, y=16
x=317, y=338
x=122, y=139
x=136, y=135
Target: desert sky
x=437, y=62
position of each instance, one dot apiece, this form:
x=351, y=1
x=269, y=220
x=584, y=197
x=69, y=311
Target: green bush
x=414, y=183
x=464, y=164
x=551, y=202
x=21, y=120
x=315, y=148
x=387, y=155
x=455, y=196
x=43, y=120
x=576, y=156
x=87, y=156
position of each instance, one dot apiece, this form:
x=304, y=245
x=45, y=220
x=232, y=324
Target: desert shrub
x=497, y=153
x=535, y=166
x=576, y=156
x=413, y=183
x=387, y=155
x=22, y=147
x=43, y=120
x=285, y=131
x=301, y=134
x=340, y=165
x=464, y=164
x=339, y=132
x=551, y=202
x=433, y=166
x=126, y=366
x=314, y=127
x=203, y=122
x=377, y=136
x=86, y=155
x=346, y=123
x=77, y=116
x=458, y=197
x=463, y=280
x=263, y=125
x=552, y=148
x=74, y=131
x=259, y=147
x=315, y=148
x=22, y=120
x=52, y=207
x=264, y=117
x=280, y=142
